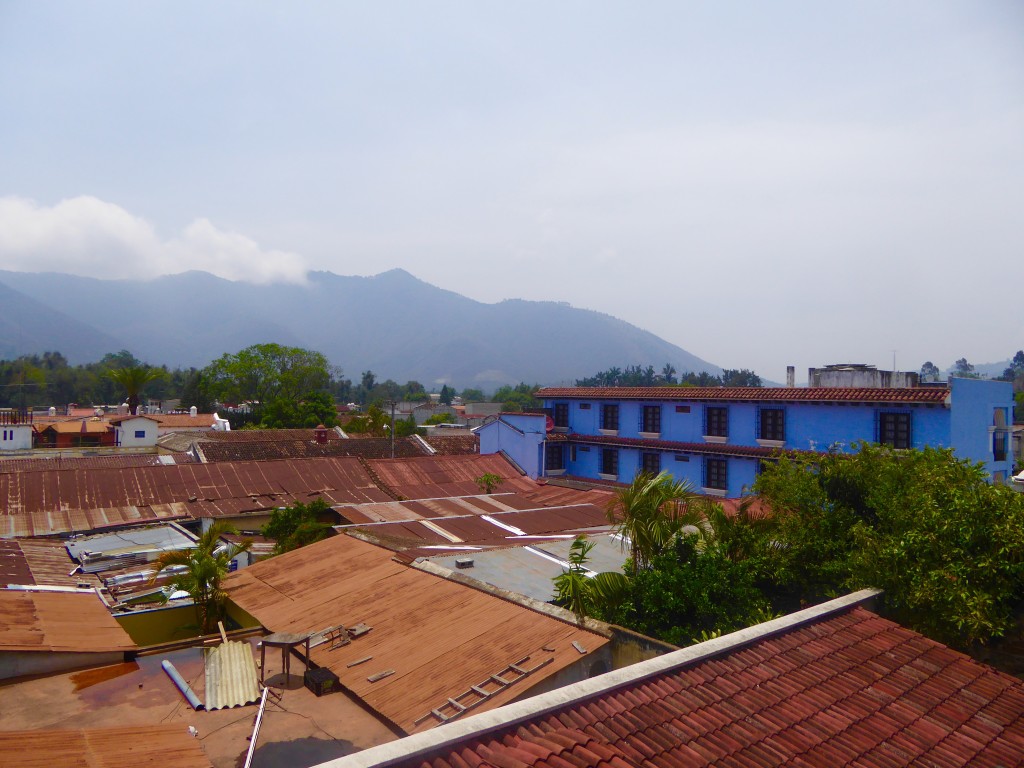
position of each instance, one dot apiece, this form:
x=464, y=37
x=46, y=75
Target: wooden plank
x=380, y=675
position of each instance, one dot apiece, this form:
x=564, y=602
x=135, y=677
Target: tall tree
x=205, y=567
x=930, y=372
x=649, y=513
x=132, y=380
x=264, y=372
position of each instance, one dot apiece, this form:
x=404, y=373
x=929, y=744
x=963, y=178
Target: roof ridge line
x=477, y=726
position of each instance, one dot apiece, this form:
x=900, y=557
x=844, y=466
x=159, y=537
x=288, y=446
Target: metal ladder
x=482, y=691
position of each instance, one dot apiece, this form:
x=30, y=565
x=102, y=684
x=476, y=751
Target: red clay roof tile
x=923, y=395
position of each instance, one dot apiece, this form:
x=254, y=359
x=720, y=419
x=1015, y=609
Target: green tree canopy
x=132, y=380
x=204, y=568
x=265, y=372
x=945, y=545
x=298, y=525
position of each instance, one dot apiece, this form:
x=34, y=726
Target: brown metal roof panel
x=169, y=746
x=59, y=621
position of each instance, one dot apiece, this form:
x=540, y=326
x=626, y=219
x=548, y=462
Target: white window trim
x=770, y=443
x=720, y=492
x=715, y=438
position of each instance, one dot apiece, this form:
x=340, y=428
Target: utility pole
x=392, y=429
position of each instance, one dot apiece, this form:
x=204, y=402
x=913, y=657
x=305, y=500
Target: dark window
x=572, y=453
x=716, y=474
x=894, y=429
x=773, y=424
x=650, y=463
x=651, y=419
x=609, y=461
x=584, y=406
x=561, y=414
x=999, y=446
x=680, y=457
x=610, y=417
x=716, y=421
x=140, y=433
x=554, y=456
x=682, y=409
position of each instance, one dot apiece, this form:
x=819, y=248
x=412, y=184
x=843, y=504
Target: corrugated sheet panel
x=57, y=501
x=438, y=636
x=231, y=679
x=434, y=477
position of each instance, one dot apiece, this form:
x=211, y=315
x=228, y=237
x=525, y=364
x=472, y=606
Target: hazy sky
x=759, y=183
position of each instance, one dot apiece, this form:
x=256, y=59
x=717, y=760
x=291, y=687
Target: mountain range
x=393, y=324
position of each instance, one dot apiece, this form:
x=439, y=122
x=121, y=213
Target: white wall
x=126, y=433
x=16, y=438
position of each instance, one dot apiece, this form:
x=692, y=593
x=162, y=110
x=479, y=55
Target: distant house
x=16, y=430
x=90, y=432
x=135, y=431
x=718, y=437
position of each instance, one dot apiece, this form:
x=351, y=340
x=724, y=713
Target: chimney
x=321, y=434
x=193, y=411
x=790, y=376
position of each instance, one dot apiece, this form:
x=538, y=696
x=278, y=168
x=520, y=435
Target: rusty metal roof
x=439, y=637
x=39, y=561
x=431, y=508
x=432, y=477
x=58, y=501
x=109, y=461
x=265, y=450
x=59, y=621
x=166, y=746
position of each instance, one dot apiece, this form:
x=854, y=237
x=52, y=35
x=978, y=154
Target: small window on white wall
x=140, y=433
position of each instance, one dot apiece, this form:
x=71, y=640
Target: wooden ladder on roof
x=481, y=692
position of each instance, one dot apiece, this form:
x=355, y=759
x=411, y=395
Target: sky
x=763, y=184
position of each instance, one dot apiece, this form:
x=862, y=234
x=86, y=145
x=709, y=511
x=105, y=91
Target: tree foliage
x=205, y=567
x=648, y=514
x=132, y=380
x=647, y=376
x=298, y=525
x=945, y=545
x=265, y=372
x=521, y=397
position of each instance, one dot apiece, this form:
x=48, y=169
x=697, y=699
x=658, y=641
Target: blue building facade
x=717, y=438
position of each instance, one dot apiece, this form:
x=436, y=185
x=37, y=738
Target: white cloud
x=87, y=236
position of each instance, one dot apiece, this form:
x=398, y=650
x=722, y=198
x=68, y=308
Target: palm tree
x=649, y=513
x=132, y=380
x=205, y=566
x=582, y=591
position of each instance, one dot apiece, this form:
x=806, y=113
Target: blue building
x=717, y=437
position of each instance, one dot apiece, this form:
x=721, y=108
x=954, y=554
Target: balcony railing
x=11, y=417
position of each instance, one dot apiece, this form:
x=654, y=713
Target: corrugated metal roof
x=848, y=689
x=933, y=395
x=149, y=746
x=57, y=501
x=59, y=621
x=111, y=461
x=231, y=679
x=39, y=561
x=434, y=477
x=439, y=637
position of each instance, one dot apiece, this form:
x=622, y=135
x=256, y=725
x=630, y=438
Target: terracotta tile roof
x=263, y=435
x=183, y=420
x=849, y=689
x=454, y=445
x=57, y=501
x=59, y=621
x=718, y=449
x=925, y=395
x=432, y=477
x=440, y=637
x=39, y=561
x=142, y=746
x=92, y=426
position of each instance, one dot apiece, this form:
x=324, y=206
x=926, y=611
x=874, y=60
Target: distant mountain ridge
x=393, y=324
